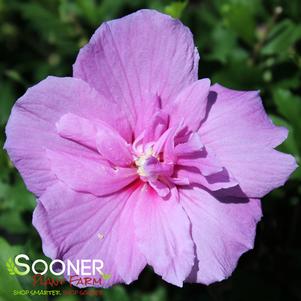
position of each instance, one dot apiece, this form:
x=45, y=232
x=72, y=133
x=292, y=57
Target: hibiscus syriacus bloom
x=135, y=161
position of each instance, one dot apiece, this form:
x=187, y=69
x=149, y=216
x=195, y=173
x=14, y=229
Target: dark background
x=243, y=44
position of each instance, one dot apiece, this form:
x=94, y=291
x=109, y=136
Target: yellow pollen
x=141, y=161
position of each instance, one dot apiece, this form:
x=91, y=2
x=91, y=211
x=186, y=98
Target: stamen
x=140, y=162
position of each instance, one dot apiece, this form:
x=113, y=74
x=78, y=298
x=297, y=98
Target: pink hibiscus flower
x=135, y=161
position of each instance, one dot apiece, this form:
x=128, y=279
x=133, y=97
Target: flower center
x=150, y=167
x=141, y=162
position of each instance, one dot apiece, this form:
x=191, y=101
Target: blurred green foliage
x=243, y=45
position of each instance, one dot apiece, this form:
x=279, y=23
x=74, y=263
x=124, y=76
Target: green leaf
x=289, y=106
x=231, y=75
x=224, y=44
x=289, y=146
x=175, y=9
x=12, y=221
x=283, y=36
x=9, y=282
x=14, y=201
x=7, y=98
x=116, y=293
x=16, y=197
x=50, y=28
x=88, y=9
x=159, y=294
x=239, y=16
x=97, y=11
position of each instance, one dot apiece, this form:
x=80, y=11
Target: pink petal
x=78, y=129
x=193, y=144
x=206, y=165
x=81, y=226
x=193, y=154
x=97, y=135
x=166, y=143
x=155, y=127
x=32, y=126
x=154, y=168
x=129, y=259
x=89, y=175
x=166, y=138
x=150, y=104
x=222, y=230
x=144, y=51
x=163, y=235
x=161, y=188
x=216, y=181
x=219, y=180
x=190, y=104
x=239, y=132
x=179, y=181
x=113, y=147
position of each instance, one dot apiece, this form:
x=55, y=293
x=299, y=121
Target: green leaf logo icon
x=12, y=269
x=106, y=276
x=10, y=266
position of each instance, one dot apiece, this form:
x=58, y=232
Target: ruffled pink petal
x=239, y=132
x=163, y=235
x=222, y=230
x=192, y=145
x=166, y=138
x=97, y=135
x=161, y=188
x=78, y=129
x=190, y=104
x=153, y=122
x=179, y=181
x=144, y=51
x=155, y=126
x=154, y=168
x=32, y=126
x=214, y=182
x=206, y=165
x=113, y=147
x=81, y=226
x=89, y=175
x=193, y=154
x=166, y=143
